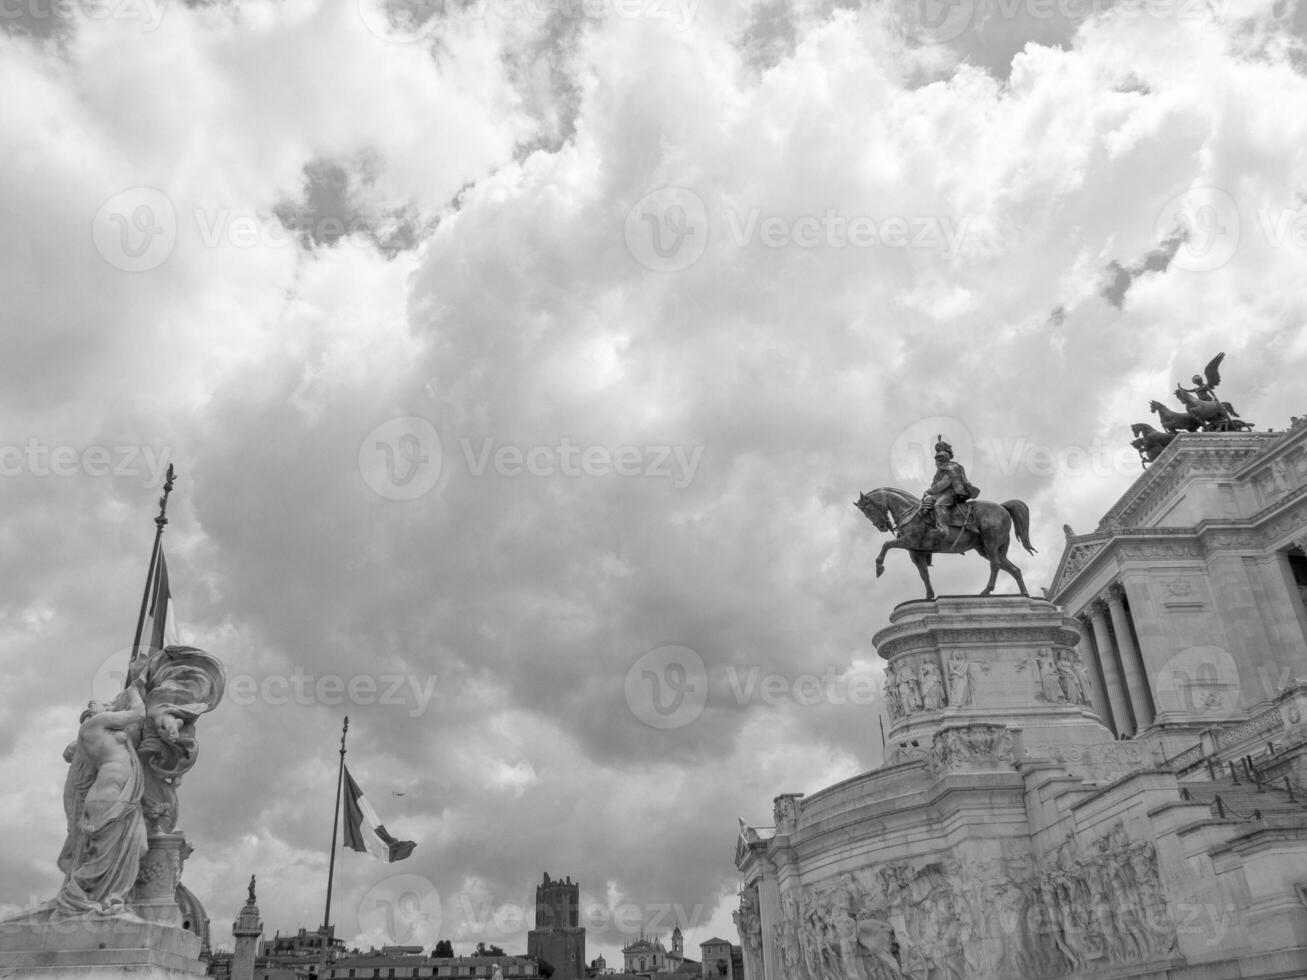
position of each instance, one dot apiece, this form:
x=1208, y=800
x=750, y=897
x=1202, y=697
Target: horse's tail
x=1021, y=521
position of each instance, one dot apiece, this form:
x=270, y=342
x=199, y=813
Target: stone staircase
x=1244, y=801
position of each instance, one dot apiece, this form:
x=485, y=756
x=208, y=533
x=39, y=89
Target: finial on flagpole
x=168, y=479
x=170, y=476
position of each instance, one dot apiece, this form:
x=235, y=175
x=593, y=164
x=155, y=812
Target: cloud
x=641, y=303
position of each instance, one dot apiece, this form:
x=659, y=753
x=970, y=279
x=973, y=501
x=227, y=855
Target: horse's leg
x=993, y=574
x=987, y=546
x=1012, y=570
x=993, y=546
x=919, y=558
x=880, y=559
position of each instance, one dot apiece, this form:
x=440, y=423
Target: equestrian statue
x=948, y=519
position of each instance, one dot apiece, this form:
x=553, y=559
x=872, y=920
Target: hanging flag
x=160, y=601
x=364, y=830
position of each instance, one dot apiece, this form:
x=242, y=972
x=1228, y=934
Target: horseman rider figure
x=950, y=486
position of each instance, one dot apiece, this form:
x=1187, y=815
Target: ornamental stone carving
x=1073, y=677
x=908, y=688
x=959, y=679
x=1048, y=684
x=974, y=747
x=748, y=922
x=785, y=813
x=1081, y=909
x=932, y=687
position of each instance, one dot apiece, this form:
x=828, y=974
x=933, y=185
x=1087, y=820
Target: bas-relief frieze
x=970, y=747
x=924, y=684
x=1104, y=762
x=1084, y=908
x=1158, y=549
x=963, y=636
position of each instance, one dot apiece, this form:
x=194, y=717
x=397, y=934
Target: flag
x=160, y=600
x=364, y=831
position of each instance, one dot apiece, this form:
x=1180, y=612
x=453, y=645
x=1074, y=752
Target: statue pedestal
x=983, y=664
x=150, y=942
x=97, y=947
x=155, y=895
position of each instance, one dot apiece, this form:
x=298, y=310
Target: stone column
x=247, y=928
x=1092, y=657
x=1107, y=660
x=769, y=911
x=1132, y=665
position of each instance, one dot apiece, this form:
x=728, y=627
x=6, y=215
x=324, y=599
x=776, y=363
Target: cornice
x=1189, y=453
x=1280, y=444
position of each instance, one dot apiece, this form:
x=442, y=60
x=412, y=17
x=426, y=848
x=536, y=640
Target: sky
x=520, y=361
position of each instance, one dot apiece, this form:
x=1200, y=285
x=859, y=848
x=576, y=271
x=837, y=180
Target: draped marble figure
x=124, y=769
x=102, y=801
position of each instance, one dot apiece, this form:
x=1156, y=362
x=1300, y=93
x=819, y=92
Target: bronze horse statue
x=1213, y=416
x=1149, y=442
x=897, y=511
x=1173, y=421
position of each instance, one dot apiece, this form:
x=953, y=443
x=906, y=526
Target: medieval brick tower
x=558, y=937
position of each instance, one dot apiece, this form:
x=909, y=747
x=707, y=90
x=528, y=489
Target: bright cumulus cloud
x=520, y=362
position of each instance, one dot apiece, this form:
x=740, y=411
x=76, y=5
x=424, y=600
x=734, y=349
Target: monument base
x=95, y=947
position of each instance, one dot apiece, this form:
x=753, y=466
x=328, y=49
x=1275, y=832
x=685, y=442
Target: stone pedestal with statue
x=1011, y=833
x=121, y=910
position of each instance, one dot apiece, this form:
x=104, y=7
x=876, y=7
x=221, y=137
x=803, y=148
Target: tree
x=444, y=948
x=484, y=950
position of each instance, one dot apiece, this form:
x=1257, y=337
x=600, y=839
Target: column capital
x=1098, y=607
x=1116, y=592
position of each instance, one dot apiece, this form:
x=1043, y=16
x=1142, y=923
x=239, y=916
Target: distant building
x=295, y=957
x=647, y=957
x=558, y=937
x=721, y=959
x=391, y=963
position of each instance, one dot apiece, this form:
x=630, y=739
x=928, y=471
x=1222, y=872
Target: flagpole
x=159, y=523
x=335, y=828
